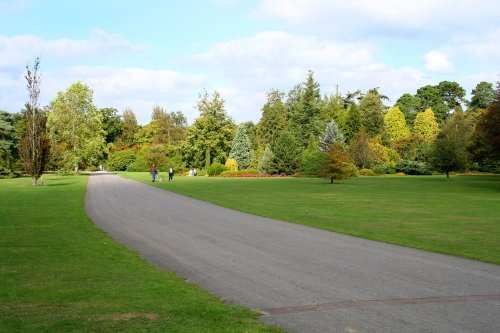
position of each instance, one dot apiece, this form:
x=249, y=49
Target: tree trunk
x=447, y=174
x=34, y=181
x=331, y=180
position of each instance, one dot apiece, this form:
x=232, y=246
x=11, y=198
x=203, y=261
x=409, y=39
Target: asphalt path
x=304, y=279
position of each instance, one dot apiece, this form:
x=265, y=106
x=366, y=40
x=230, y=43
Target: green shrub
x=216, y=169
x=385, y=168
x=312, y=162
x=367, y=172
x=412, y=167
x=120, y=160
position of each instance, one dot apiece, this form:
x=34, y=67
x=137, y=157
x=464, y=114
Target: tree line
x=299, y=132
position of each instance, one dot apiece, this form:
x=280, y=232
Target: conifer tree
x=372, y=108
x=353, y=125
x=426, y=125
x=273, y=120
x=287, y=153
x=265, y=161
x=332, y=135
x=241, y=150
x=395, y=124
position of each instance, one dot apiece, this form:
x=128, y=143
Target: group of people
x=192, y=172
x=154, y=173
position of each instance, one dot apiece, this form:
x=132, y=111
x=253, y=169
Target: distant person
x=154, y=172
x=170, y=174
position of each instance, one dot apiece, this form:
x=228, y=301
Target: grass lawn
x=458, y=216
x=58, y=273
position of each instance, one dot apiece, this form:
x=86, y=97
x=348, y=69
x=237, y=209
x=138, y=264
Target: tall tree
x=210, y=137
x=395, y=124
x=449, y=151
x=452, y=94
x=371, y=109
x=287, y=153
x=305, y=110
x=130, y=127
x=273, y=120
x=353, y=124
x=7, y=143
x=486, y=141
x=410, y=106
x=34, y=147
x=111, y=124
x=482, y=96
x=426, y=125
x=332, y=134
x=241, y=150
x=430, y=97
x=75, y=125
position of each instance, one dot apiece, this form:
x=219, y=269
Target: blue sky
x=139, y=54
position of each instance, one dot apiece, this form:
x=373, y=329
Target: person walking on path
x=154, y=172
x=170, y=174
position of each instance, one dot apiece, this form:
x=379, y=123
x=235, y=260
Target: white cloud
x=21, y=49
x=385, y=17
x=436, y=61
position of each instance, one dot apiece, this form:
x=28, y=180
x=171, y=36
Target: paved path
x=304, y=279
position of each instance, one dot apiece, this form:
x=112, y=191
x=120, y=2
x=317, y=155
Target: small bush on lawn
x=367, y=172
x=412, y=167
x=216, y=169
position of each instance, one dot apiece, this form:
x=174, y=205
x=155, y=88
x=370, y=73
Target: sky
x=141, y=54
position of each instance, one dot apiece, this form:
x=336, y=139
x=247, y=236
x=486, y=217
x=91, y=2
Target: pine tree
x=287, y=153
x=332, y=135
x=426, y=125
x=241, y=150
x=395, y=124
x=265, y=161
x=353, y=125
x=273, y=120
x=372, y=108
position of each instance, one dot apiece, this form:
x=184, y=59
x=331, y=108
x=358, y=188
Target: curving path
x=304, y=279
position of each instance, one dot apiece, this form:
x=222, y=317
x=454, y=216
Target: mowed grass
x=458, y=216
x=58, y=273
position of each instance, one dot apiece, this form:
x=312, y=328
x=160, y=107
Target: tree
x=339, y=164
x=241, y=150
x=353, y=124
x=167, y=128
x=34, y=147
x=304, y=108
x=409, y=106
x=273, y=120
x=431, y=97
x=395, y=124
x=482, y=96
x=111, y=124
x=210, y=137
x=75, y=126
x=426, y=125
x=130, y=127
x=452, y=94
x=371, y=109
x=449, y=152
x=7, y=144
x=332, y=135
x=486, y=141
x=287, y=152
x=265, y=161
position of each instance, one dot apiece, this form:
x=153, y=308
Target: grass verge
x=457, y=216
x=59, y=273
